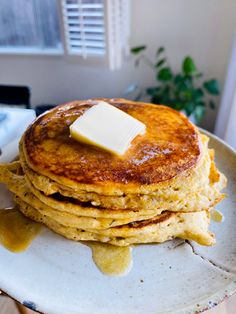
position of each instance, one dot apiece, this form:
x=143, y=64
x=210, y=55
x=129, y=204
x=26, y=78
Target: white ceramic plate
x=58, y=276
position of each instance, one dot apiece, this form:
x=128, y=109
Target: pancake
x=157, y=228
x=163, y=187
x=22, y=187
x=16, y=183
x=198, y=192
x=202, y=199
x=191, y=226
x=170, y=147
x=182, y=195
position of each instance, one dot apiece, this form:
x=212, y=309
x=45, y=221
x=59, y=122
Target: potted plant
x=184, y=91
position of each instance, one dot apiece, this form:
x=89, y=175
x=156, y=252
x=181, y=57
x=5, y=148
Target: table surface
x=8, y=306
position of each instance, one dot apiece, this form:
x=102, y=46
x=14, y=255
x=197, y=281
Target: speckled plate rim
x=230, y=289
x=212, y=301
x=206, y=303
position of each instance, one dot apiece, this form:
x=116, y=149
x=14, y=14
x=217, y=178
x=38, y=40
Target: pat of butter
x=106, y=126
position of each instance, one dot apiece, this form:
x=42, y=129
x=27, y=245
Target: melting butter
x=111, y=260
x=16, y=231
x=107, y=127
x=216, y=215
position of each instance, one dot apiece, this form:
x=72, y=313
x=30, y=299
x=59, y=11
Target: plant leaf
x=212, y=86
x=197, y=94
x=160, y=50
x=183, y=82
x=178, y=79
x=201, y=103
x=160, y=63
x=164, y=74
x=187, y=82
x=189, y=107
x=156, y=100
x=188, y=66
x=166, y=95
x=212, y=104
x=138, y=49
x=178, y=106
x=152, y=90
x=162, y=95
x=199, y=113
x=186, y=94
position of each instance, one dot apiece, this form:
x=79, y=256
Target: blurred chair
x=15, y=96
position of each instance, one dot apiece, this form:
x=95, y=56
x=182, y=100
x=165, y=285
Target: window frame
x=14, y=51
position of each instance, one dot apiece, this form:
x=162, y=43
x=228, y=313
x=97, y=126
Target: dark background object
x=42, y=108
x=15, y=95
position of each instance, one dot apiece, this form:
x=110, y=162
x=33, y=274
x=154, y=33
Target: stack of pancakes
x=163, y=187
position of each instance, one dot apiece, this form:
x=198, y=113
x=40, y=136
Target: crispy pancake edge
x=194, y=228
x=136, y=182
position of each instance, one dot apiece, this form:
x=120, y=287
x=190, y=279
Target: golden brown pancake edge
x=170, y=147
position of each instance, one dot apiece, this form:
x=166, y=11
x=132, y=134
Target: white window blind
x=84, y=27
x=97, y=28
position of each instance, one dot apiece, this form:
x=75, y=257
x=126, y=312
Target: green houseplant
x=184, y=91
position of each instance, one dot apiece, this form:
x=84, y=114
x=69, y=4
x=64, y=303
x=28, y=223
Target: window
x=29, y=26
x=84, y=26
x=90, y=30
x=97, y=28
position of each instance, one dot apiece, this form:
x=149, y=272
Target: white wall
x=202, y=28
x=225, y=123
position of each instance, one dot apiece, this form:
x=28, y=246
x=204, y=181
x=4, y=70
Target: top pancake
x=170, y=146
